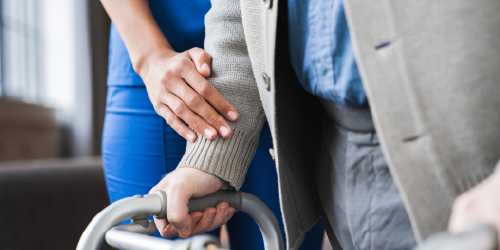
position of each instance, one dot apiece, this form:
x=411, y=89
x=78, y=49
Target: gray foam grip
x=233, y=198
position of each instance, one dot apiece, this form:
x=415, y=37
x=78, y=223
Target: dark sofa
x=47, y=204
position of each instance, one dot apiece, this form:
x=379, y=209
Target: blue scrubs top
x=182, y=24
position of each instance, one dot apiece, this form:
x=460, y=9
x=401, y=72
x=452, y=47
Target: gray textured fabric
x=232, y=76
x=431, y=72
x=357, y=191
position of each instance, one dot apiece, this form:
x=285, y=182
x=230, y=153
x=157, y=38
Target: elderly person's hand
x=180, y=185
x=178, y=90
x=480, y=204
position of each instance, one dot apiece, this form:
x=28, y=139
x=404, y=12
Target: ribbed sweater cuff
x=227, y=158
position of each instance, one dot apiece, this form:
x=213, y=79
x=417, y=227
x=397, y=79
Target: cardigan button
x=268, y=3
x=267, y=81
x=271, y=152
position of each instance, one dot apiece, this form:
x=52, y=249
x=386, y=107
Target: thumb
x=202, y=60
x=177, y=210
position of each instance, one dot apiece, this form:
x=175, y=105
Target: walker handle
x=233, y=198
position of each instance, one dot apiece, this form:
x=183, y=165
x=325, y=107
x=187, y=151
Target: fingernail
x=223, y=210
x=209, y=133
x=224, y=131
x=211, y=216
x=190, y=137
x=205, y=67
x=232, y=115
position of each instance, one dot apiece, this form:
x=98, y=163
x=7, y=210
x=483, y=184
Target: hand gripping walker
x=135, y=235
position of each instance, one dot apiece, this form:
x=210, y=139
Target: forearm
x=233, y=77
x=138, y=29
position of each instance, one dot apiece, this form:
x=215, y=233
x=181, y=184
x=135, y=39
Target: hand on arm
x=175, y=82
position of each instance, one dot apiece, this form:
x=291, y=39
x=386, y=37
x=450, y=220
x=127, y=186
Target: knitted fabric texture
x=232, y=76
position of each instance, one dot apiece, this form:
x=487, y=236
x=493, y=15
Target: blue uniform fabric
x=139, y=148
x=321, y=51
x=182, y=23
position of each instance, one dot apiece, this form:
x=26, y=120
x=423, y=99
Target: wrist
x=142, y=62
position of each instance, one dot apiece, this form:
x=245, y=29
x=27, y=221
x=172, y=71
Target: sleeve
x=233, y=77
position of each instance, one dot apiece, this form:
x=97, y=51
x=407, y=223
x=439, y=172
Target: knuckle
x=204, y=88
x=178, y=67
x=169, y=118
x=158, y=107
x=212, y=119
x=182, y=65
x=193, y=100
x=166, y=78
x=196, y=125
x=178, y=108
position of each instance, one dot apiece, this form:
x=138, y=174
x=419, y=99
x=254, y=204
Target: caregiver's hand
x=178, y=90
x=480, y=204
x=180, y=185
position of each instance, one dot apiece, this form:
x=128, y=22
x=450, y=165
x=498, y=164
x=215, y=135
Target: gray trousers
x=360, y=200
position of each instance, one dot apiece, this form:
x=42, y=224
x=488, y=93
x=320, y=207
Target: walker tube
x=115, y=214
x=478, y=237
x=131, y=236
x=127, y=240
x=266, y=220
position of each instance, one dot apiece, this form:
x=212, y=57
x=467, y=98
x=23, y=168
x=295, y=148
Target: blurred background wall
x=53, y=78
x=53, y=68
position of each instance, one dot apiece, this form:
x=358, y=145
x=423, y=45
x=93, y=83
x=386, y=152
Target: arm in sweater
x=232, y=76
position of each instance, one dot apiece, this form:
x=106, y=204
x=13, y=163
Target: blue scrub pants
x=139, y=149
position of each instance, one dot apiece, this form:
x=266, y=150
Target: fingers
x=176, y=123
x=214, y=218
x=199, y=106
x=205, y=221
x=224, y=213
x=180, y=109
x=210, y=93
x=202, y=61
x=168, y=231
